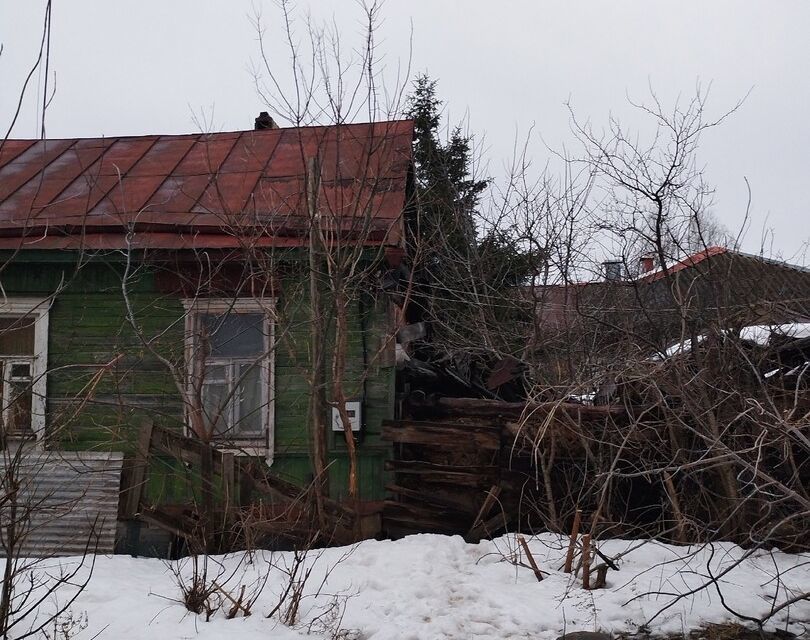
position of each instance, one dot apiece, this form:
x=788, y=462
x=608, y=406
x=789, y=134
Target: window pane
x=20, y=370
x=235, y=335
x=17, y=336
x=214, y=395
x=249, y=400
x=19, y=412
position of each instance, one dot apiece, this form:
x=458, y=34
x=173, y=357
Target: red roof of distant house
x=689, y=261
x=203, y=190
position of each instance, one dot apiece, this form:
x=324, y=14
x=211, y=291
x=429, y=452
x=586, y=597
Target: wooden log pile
x=447, y=477
x=466, y=465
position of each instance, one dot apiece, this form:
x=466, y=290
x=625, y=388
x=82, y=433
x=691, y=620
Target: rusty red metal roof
x=204, y=190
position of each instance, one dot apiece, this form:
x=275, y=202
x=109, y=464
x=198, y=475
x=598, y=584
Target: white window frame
x=194, y=307
x=39, y=309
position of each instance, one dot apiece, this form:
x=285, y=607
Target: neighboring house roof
x=203, y=190
x=689, y=261
x=696, y=258
x=742, y=288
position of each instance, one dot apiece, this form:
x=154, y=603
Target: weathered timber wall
x=93, y=405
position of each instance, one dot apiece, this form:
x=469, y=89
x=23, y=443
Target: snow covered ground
x=430, y=586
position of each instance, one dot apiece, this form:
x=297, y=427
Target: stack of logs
x=461, y=466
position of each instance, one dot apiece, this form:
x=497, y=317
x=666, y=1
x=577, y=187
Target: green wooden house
x=171, y=280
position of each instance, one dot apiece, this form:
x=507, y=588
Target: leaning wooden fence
x=222, y=495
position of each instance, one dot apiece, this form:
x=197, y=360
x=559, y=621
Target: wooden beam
x=474, y=476
x=421, y=517
x=137, y=478
x=480, y=407
x=461, y=504
x=572, y=541
x=494, y=524
x=537, y=573
x=454, y=436
x=230, y=497
x=586, y=561
x=180, y=527
x=486, y=507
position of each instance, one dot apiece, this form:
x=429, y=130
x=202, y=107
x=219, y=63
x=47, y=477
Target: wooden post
x=676, y=507
x=586, y=561
x=601, y=576
x=537, y=573
x=229, y=497
x=572, y=542
x=486, y=507
x=207, y=481
x=139, y=469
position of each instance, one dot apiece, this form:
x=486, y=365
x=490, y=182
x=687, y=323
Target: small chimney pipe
x=264, y=121
x=614, y=271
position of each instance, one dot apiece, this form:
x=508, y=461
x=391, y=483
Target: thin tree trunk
x=316, y=403
x=338, y=389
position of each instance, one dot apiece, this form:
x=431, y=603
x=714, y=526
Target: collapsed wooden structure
x=481, y=466
x=228, y=497
x=470, y=467
x=458, y=466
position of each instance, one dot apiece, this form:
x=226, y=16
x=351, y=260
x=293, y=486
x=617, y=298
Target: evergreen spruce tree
x=463, y=275
x=446, y=194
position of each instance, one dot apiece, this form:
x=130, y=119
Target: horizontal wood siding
x=96, y=405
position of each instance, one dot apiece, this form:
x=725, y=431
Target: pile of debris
x=466, y=465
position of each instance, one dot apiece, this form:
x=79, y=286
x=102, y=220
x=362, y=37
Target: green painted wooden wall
x=93, y=404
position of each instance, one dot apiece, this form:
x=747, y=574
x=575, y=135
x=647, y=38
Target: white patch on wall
x=353, y=409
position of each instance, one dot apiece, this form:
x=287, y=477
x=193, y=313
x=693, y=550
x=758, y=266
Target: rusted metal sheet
x=86, y=192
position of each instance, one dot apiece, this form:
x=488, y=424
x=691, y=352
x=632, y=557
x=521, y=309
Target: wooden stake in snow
x=586, y=561
x=486, y=507
x=601, y=576
x=537, y=573
x=237, y=604
x=676, y=508
x=572, y=542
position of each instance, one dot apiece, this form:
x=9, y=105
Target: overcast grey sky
x=147, y=66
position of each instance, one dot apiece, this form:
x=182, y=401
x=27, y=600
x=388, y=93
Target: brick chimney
x=646, y=263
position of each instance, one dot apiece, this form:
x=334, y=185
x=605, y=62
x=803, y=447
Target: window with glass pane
x=16, y=368
x=234, y=353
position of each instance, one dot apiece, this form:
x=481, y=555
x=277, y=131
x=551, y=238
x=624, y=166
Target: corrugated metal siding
x=72, y=498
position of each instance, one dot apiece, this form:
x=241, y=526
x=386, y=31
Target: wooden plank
x=420, y=517
x=447, y=422
x=272, y=485
x=229, y=495
x=185, y=449
x=482, y=407
x=586, y=561
x=137, y=477
x=486, y=507
x=494, y=524
x=430, y=496
x=572, y=541
x=473, y=476
x=207, y=478
x=179, y=526
x=451, y=436
x=537, y=573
